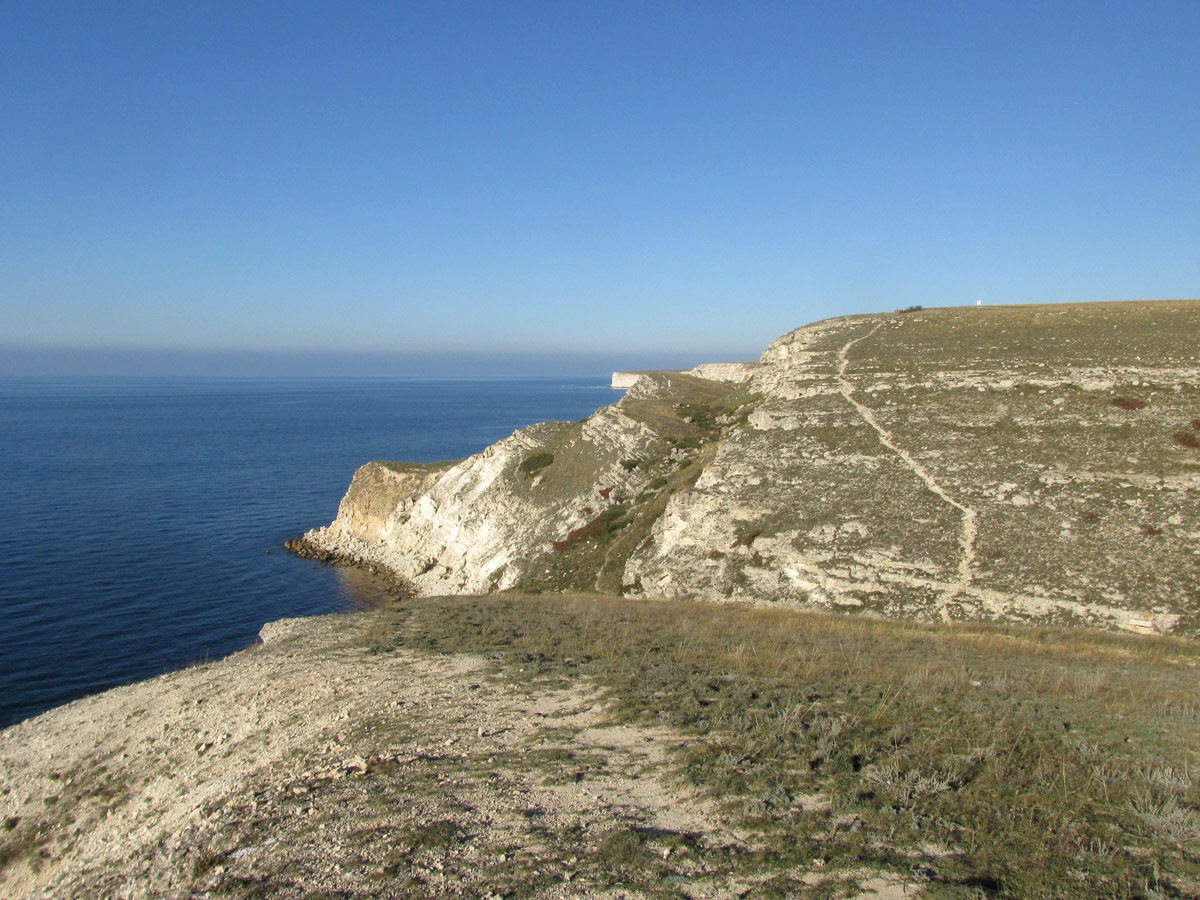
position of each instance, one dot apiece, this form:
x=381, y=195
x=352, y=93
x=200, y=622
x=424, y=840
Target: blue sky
x=551, y=187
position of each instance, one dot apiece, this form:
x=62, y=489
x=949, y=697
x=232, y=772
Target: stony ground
x=312, y=766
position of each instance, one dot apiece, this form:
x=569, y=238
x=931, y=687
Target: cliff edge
x=1035, y=463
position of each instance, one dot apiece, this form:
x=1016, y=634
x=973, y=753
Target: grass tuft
x=1128, y=403
x=535, y=462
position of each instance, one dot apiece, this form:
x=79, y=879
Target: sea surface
x=142, y=520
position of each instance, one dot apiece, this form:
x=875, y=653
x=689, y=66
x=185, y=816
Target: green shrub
x=535, y=462
x=1128, y=403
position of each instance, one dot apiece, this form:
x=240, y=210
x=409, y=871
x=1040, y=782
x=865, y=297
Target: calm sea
x=141, y=520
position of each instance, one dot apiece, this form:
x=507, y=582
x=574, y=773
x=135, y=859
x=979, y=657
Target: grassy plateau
x=974, y=760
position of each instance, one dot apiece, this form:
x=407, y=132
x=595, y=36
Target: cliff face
x=1008, y=462
x=508, y=516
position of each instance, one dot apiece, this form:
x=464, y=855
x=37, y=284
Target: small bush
x=433, y=835
x=1128, y=403
x=206, y=862
x=535, y=462
x=602, y=528
x=1187, y=439
x=630, y=464
x=916, y=307
x=623, y=848
x=745, y=536
x=657, y=482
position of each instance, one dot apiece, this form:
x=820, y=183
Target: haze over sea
x=142, y=520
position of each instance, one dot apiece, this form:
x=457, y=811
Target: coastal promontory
x=1019, y=463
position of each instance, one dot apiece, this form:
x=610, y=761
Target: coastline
x=152, y=511
x=307, y=547
x=444, y=745
x=796, y=480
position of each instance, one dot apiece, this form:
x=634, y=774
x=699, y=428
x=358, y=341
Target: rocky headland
x=1026, y=463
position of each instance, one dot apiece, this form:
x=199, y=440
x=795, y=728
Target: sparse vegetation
x=602, y=528
x=592, y=554
x=962, y=760
x=979, y=760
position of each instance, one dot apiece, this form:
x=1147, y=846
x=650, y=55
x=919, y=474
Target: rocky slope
x=1020, y=463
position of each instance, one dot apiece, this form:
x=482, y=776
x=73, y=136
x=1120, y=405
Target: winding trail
x=969, y=528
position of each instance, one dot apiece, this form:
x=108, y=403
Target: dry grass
x=980, y=760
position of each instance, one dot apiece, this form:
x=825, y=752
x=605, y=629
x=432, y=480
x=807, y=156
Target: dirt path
x=969, y=527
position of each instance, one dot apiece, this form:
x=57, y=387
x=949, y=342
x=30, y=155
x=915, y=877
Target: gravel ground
x=310, y=766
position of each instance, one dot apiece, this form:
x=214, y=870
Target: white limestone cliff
x=899, y=465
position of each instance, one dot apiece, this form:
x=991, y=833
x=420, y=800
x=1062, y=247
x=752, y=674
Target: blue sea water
x=142, y=520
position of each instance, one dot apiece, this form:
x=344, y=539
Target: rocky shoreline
x=395, y=585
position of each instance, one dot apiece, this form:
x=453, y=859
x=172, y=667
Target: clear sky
x=375, y=187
